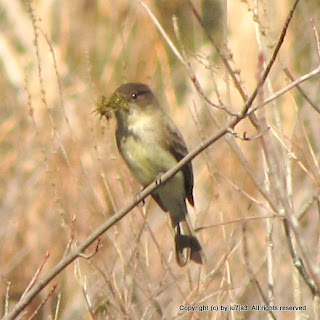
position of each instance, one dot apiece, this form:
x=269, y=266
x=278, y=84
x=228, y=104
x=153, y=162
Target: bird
x=151, y=144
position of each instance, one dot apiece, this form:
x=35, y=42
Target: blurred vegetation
x=59, y=161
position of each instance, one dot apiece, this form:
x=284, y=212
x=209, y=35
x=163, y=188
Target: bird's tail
x=186, y=243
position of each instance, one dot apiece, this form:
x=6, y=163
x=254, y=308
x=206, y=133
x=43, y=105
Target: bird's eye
x=134, y=96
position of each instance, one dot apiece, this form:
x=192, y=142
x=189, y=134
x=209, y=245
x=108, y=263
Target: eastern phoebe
x=151, y=144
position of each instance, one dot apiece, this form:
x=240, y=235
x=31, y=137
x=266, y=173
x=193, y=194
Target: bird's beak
x=108, y=108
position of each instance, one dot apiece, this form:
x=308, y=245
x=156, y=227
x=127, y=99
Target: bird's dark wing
x=179, y=149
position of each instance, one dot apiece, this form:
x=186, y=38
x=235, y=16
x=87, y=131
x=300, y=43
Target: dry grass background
x=59, y=161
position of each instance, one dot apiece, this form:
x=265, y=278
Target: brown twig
x=82, y=280
x=21, y=305
x=43, y=302
x=304, y=95
x=245, y=219
x=244, y=136
x=36, y=275
x=56, y=313
x=225, y=61
x=6, y=301
x=272, y=60
x=71, y=236
x=96, y=250
x=282, y=91
x=253, y=278
x=312, y=282
x=316, y=35
x=185, y=63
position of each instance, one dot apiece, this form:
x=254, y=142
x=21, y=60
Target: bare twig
x=305, y=209
x=316, y=34
x=278, y=216
x=43, y=302
x=244, y=136
x=316, y=307
x=56, y=314
x=272, y=60
x=36, y=275
x=185, y=63
x=6, y=302
x=96, y=250
x=71, y=236
x=165, y=262
x=253, y=278
x=282, y=91
x=78, y=251
x=312, y=104
x=83, y=283
x=224, y=59
x=298, y=262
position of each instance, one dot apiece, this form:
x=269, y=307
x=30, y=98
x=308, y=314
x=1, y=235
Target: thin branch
x=36, y=275
x=290, y=76
x=244, y=136
x=89, y=256
x=72, y=233
x=6, y=300
x=272, y=60
x=253, y=278
x=282, y=91
x=185, y=63
x=297, y=261
x=43, y=302
x=269, y=216
x=316, y=34
x=56, y=314
x=225, y=61
x=42, y=283
x=164, y=35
